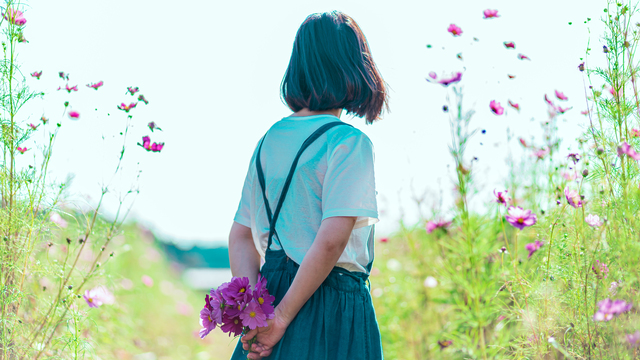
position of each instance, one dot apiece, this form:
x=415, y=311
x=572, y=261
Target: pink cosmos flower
x=58, y=220
x=569, y=176
x=454, y=30
x=584, y=112
x=37, y=74
x=634, y=339
x=238, y=290
x=496, y=107
x=133, y=90
x=509, y=44
x=230, y=325
x=502, y=197
x=490, y=14
x=438, y=224
x=573, y=197
x=98, y=296
x=433, y=75
x=96, y=85
x=147, y=280
x=22, y=150
x=453, y=79
x=253, y=316
x=626, y=149
x=15, y=17
x=126, y=108
x=593, y=220
x=69, y=89
x=607, y=309
x=514, y=105
x=523, y=142
x=562, y=110
x=520, y=218
x=561, y=96
x=533, y=247
x=33, y=127
x=74, y=114
x=262, y=297
x=635, y=133
x=523, y=57
x=207, y=323
x=613, y=92
x=600, y=269
x=541, y=153
x=143, y=99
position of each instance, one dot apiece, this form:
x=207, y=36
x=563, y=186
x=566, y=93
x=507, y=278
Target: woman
x=318, y=244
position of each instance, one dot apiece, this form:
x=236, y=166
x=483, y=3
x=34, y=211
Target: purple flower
x=520, y=218
x=438, y=224
x=593, y=220
x=533, y=247
x=573, y=197
x=263, y=298
x=634, y=339
x=238, y=290
x=574, y=157
x=600, y=269
x=207, y=322
x=496, y=107
x=454, y=79
x=501, y=197
x=98, y=296
x=625, y=148
x=231, y=325
x=607, y=309
x=253, y=316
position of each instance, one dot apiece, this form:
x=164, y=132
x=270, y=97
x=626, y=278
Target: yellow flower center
x=520, y=221
x=242, y=290
x=252, y=314
x=210, y=318
x=235, y=321
x=260, y=300
x=90, y=300
x=239, y=307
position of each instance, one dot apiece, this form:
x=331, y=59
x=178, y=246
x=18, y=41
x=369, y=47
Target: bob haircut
x=331, y=68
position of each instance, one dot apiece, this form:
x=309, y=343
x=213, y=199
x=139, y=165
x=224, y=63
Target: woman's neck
x=307, y=112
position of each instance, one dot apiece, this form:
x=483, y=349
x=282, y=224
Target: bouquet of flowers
x=235, y=308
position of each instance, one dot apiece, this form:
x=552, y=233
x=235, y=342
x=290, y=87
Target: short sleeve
x=348, y=188
x=243, y=215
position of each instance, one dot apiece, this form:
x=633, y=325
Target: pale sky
x=212, y=71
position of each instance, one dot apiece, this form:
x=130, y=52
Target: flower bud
x=600, y=150
x=81, y=240
x=605, y=49
x=102, y=248
x=112, y=253
x=70, y=287
x=66, y=103
x=585, y=172
x=68, y=241
x=445, y=108
x=581, y=67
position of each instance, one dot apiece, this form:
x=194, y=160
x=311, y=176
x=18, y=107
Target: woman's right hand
x=267, y=337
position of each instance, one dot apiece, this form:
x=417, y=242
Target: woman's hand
x=267, y=337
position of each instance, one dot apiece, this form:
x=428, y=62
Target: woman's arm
x=330, y=241
x=243, y=256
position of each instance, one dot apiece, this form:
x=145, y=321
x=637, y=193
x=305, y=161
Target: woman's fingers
x=265, y=353
x=248, y=336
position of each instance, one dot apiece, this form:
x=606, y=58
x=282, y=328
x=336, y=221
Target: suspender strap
x=273, y=218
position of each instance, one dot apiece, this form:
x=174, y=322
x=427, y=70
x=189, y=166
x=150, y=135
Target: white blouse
x=334, y=177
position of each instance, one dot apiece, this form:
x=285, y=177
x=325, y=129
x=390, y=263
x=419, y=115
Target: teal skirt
x=338, y=322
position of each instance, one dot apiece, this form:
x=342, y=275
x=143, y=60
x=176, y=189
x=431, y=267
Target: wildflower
x=593, y=220
x=573, y=197
x=600, y=269
x=574, y=157
x=147, y=145
x=433, y=75
x=263, y=298
x=584, y=112
x=496, y=107
x=133, y=90
x=444, y=343
x=626, y=149
x=585, y=172
x=569, y=176
x=437, y=224
x=454, y=30
x=511, y=76
x=634, y=339
x=126, y=108
x=238, y=290
x=430, y=282
x=533, y=247
x=33, y=126
x=231, y=325
x=501, y=197
x=96, y=85
x=453, y=79
x=520, y=218
x=147, y=280
x=143, y=99
x=607, y=309
x=74, y=114
x=15, y=17
x=541, y=153
x=514, y=105
x=69, y=89
x=613, y=91
x=523, y=57
x=523, y=142
x=503, y=250
x=152, y=126
x=207, y=322
x=37, y=74
x=63, y=75
x=253, y=316
x=490, y=14
x=635, y=133
x=561, y=96
x=561, y=110
x=22, y=150
x=98, y=296
x=509, y=45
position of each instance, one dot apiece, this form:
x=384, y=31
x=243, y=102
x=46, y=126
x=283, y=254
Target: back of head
x=331, y=68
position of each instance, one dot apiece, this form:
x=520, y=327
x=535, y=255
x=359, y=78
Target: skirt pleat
x=337, y=322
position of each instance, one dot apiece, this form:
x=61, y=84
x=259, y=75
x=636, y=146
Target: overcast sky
x=211, y=71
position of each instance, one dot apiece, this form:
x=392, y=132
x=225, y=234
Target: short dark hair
x=331, y=68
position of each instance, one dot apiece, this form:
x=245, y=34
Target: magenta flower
x=562, y=110
x=230, y=325
x=133, y=90
x=152, y=126
x=433, y=75
x=22, y=150
x=635, y=133
x=126, y=108
x=33, y=126
x=574, y=157
x=214, y=301
x=263, y=298
x=238, y=290
x=147, y=145
x=438, y=224
x=143, y=99
x=584, y=112
x=98, y=296
x=608, y=309
x=96, y=85
x=501, y=197
x=384, y=240
x=207, y=322
x=523, y=142
x=69, y=89
x=533, y=247
x=15, y=17
x=453, y=79
x=496, y=107
x=509, y=45
x=593, y=220
x=523, y=57
x=74, y=114
x=626, y=149
x=541, y=153
x=37, y=74
x=514, y=105
x=147, y=280
x=490, y=14
x=253, y=316
x=600, y=269
x=573, y=197
x=561, y=96
x=634, y=339
x=520, y=218
x=454, y=30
